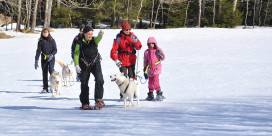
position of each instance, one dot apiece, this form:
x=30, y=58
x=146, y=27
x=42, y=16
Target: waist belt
x=158, y=62
x=45, y=56
x=126, y=52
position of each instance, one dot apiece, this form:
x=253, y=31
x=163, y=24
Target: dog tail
x=61, y=63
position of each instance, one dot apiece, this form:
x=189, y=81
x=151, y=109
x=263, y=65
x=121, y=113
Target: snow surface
x=218, y=82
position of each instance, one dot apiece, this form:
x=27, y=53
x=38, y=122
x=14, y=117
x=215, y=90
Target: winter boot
x=159, y=96
x=99, y=104
x=150, y=96
x=44, y=91
x=86, y=107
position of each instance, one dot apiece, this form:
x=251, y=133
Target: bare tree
x=266, y=11
x=152, y=11
x=34, y=16
x=246, y=13
x=28, y=14
x=203, y=7
x=214, y=6
x=141, y=5
x=47, y=16
x=157, y=12
x=114, y=13
x=186, y=12
x=18, y=27
x=254, y=12
x=234, y=5
x=260, y=10
x=199, y=12
x=58, y=3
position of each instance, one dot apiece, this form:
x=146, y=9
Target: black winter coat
x=47, y=47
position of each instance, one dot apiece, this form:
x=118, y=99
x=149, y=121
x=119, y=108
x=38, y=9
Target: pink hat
x=152, y=40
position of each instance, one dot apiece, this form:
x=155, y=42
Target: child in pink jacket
x=152, y=68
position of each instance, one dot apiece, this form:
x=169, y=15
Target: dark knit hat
x=87, y=29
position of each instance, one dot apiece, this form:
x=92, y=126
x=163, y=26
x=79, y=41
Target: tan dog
x=55, y=82
x=128, y=88
x=68, y=71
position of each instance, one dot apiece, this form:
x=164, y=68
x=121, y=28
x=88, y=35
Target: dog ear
x=122, y=74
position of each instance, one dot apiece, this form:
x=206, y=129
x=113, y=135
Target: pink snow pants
x=154, y=83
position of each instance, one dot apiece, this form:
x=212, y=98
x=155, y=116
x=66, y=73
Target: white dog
x=68, y=71
x=128, y=88
x=55, y=82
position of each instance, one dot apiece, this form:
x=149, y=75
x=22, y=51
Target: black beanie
x=87, y=29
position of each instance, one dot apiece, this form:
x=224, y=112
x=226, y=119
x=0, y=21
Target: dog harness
x=126, y=87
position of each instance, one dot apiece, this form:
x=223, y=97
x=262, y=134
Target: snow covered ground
x=218, y=82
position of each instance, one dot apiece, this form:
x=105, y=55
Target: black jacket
x=47, y=47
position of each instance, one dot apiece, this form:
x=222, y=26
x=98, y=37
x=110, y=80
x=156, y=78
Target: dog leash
x=137, y=68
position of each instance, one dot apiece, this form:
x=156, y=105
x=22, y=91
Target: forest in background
x=141, y=14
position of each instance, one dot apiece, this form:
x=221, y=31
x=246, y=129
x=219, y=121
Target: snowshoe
x=150, y=96
x=86, y=107
x=99, y=104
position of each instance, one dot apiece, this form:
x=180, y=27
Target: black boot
x=150, y=96
x=159, y=96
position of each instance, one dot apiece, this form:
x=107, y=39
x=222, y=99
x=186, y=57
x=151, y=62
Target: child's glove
x=158, y=52
x=145, y=75
x=101, y=32
x=36, y=64
x=78, y=69
x=118, y=63
x=50, y=58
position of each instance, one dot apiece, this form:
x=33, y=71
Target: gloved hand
x=36, y=64
x=134, y=39
x=145, y=75
x=101, y=32
x=118, y=63
x=50, y=58
x=158, y=52
x=78, y=69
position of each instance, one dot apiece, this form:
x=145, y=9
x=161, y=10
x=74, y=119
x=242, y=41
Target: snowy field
x=218, y=82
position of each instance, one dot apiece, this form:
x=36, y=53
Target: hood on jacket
x=152, y=40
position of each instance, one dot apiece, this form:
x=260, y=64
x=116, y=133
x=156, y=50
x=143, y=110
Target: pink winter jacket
x=150, y=57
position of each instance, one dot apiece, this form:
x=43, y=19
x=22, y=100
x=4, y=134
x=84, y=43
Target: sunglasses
x=128, y=30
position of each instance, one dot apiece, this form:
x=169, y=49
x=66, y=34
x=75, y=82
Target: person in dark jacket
x=47, y=48
x=87, y=60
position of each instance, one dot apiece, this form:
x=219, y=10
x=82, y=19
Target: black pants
x=47, y=66
x=99, y=82
x=129, y=71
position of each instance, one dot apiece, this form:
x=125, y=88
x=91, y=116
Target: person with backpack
x=87, y=60
x=75, y=41
x=47, y=48
x=123, y=51
x=152, y=68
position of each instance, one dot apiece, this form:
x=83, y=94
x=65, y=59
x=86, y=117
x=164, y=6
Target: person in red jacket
x=123, y=51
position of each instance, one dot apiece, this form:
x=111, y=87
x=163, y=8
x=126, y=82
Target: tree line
x=139, y=13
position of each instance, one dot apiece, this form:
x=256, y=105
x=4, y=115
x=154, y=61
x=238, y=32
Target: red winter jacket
x=125, y=52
